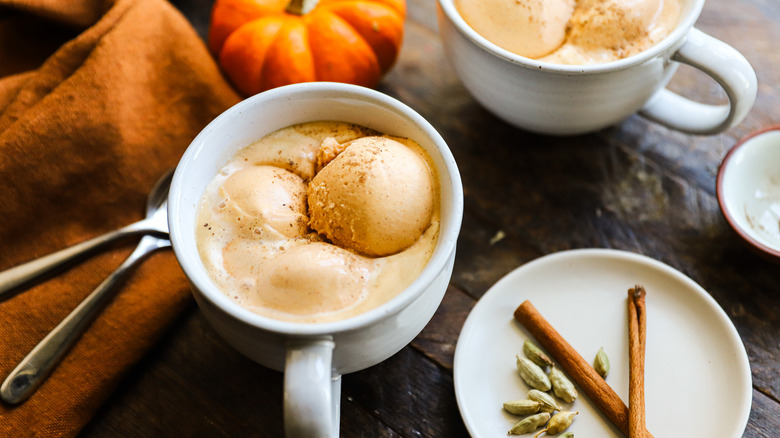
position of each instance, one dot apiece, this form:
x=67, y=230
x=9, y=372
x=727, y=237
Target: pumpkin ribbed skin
x=260, y=46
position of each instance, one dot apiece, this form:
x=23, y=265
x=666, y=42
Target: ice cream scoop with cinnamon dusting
x=376, y=197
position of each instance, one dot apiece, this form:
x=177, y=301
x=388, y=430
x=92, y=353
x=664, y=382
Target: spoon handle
x=40, y=362
x=22, y=275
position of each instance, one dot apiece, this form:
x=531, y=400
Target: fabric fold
x=84, y=135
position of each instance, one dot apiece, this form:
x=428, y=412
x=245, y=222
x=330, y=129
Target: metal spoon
x=13, y=279
x=41, y=361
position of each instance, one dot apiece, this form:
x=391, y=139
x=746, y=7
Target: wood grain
x=635, y=186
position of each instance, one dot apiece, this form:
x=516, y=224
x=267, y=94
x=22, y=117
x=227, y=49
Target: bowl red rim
x=721, y=197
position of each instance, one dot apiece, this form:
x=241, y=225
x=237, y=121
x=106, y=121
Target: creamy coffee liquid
x=576, y=32
x=256, y=239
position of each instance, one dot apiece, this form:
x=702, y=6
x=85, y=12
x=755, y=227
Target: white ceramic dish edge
x=748, y=180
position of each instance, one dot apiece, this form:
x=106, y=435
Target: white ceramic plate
x=697, y=374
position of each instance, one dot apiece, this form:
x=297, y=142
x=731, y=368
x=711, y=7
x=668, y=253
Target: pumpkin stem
x=301, y=7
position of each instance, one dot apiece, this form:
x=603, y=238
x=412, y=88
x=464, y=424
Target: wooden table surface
x=634, y=186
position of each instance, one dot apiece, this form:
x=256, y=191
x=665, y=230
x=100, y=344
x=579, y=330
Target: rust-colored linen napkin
x=97, y=100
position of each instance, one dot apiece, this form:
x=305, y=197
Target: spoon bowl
x=158, y=197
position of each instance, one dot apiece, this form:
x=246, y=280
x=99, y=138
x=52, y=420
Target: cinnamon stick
x=602, y=395
x=637, y=332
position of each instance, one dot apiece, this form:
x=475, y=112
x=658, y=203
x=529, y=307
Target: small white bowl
x=749, y=190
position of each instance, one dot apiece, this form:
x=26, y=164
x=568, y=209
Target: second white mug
x=573, y=99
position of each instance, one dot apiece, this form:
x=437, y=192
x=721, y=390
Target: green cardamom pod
x=522, y=407
x=567, y=435
x=601, y=364
x=546, y=400
x=562, y=387
x=560, y=421
x=535, y=354
x=532, y=374
x=529, y=424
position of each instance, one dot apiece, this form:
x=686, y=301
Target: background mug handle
x=312, y=393
x=724, y=64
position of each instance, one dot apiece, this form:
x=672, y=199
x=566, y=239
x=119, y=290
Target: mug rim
x=193, y=267
x=679, y=32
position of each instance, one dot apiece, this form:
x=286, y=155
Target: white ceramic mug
x=313, y=356
x=565, y=99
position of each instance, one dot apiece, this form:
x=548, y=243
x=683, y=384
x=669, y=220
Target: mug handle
x=724, y=64
x=312, y=392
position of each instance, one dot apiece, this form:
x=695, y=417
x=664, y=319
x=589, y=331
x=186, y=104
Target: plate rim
x=734, y=337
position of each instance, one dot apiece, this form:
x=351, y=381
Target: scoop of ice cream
x=265, y=201
x=530, y=28
x=608, y=30
x=376, y=197
x=613, y=24
x=308, y=279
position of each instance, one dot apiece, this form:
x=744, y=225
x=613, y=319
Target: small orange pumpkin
x=262, y=44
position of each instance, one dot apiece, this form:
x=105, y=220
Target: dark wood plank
x=439, y=338
x=764, y=419
x=411, y=395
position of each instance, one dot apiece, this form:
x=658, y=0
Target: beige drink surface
x=256, y=239
x=576, y=32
